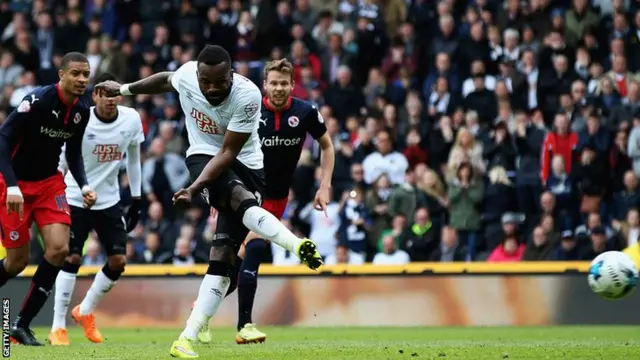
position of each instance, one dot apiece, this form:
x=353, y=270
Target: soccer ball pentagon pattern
x=613, y=275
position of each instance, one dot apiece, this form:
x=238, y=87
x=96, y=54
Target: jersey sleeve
x=178, y=75
x=316, y=126
x=11, y=132
x=138, y=136
x=246, y=115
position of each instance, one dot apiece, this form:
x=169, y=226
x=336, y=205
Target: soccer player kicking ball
x=284, y=125
x=32, y=188
x=112, y=132
x=226, y=167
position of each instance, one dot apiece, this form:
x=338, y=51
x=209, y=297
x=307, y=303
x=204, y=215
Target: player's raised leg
x=66, y=280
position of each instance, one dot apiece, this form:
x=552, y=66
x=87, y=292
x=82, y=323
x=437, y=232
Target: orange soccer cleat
x=88, y=323
x=59, y=337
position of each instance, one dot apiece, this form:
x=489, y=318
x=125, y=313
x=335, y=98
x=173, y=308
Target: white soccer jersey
x=103, y=148
x=206, y=124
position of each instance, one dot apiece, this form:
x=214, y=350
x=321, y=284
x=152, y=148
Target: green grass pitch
x=555, y=343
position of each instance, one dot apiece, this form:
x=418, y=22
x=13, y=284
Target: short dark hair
x=72, y=57
x=105, y=77
x=214, y=55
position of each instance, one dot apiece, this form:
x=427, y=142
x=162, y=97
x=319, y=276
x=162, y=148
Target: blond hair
x=281, y=66
x=498, y=175
x=435, y=190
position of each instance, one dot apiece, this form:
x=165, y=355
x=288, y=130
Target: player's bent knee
x=71, y=268
x=74, y=259
x=220, y=268
x=117, y=262
x=241, y=200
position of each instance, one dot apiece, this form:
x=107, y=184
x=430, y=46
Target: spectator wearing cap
x=568, y=249
x=465, y=194
x=598, y=244
x=559, y=141
x=541, y=246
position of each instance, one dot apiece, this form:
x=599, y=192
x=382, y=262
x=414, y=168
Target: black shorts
x=229, y=230
x=108, y=224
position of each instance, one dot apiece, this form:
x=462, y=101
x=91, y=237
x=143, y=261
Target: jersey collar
x=61, y=96
x=265, y=102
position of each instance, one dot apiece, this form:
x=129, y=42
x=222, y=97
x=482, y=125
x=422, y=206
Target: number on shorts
x=258, y=197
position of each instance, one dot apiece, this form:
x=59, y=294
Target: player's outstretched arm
x=159, y=83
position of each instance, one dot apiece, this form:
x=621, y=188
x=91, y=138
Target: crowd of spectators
x=475, y=130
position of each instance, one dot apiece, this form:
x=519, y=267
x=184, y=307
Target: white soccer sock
x=100, y=287
x=212, y=291
x=263, y=223
x=65, y=283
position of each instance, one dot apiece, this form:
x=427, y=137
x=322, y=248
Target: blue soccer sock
x=248, y=279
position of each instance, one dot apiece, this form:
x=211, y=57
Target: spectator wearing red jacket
x=414, y=153
x=559, y=141
x=510, y=250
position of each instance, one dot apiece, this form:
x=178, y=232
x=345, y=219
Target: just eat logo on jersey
x=107, y=153
x=205, y=124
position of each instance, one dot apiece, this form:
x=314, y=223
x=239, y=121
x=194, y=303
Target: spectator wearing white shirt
x=385, y=161
x=390, y=254
x=324, y=225
x=343, y=255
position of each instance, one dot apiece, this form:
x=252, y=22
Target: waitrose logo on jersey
x=278, y=141
x=55, y=133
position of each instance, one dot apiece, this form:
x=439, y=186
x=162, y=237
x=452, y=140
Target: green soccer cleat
x=183, y=349
x=308, y=253
x=204, y=336
x=249, y=334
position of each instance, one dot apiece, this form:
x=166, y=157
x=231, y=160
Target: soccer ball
x=613, y=275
